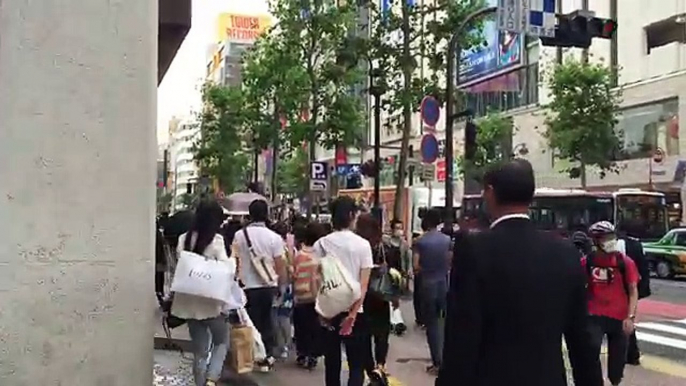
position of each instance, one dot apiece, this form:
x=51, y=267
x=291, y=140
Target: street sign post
x=534, y=18
x=428, y=172
x=319, y=177
x=430, y=111
x=429, y=148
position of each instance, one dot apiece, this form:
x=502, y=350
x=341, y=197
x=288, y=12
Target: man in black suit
x=515, y=292
x=634, y=249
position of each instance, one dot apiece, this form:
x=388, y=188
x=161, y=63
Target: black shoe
x=301, y=361
x=634, y=362
x=311, y=363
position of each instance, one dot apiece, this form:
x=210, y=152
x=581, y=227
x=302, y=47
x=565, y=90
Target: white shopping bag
x=208, y=278
x=338, y=290
x=259, y=352
x=237, y=299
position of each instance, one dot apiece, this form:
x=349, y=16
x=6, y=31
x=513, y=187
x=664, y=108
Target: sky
x=179, y=93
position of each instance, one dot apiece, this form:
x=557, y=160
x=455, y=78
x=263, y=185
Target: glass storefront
x=649, y=127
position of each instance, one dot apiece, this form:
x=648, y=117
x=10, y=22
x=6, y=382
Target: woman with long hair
x=376, y=309
x=207, y=325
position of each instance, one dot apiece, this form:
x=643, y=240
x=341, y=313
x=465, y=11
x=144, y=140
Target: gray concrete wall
x=77, y=170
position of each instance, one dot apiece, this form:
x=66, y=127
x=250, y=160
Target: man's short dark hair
x=395, y=222
x=258, y=211
x=513, y=182
x=432, y=219
x=343, y=209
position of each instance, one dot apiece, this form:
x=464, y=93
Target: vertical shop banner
x=500, y=52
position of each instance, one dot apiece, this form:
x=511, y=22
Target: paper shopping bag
x=241, y=349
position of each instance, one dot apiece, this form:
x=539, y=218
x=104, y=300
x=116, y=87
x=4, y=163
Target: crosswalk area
x=664, y=338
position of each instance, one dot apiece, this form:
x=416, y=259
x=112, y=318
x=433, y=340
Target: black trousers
x=617, y=342
x=356, y=345
x=307, y=330
x=259, y=309
x=633, y=354
x=377, y=312
x=159, y=283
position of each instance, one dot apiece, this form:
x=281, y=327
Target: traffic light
x=576, y=30
x=470, y=130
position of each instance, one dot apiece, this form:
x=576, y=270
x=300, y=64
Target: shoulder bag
x=263, y=265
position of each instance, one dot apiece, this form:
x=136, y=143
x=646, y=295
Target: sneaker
x=284, y=354
x=311, y=363
x=210, y=383
x=301, y=361
x=265, y=365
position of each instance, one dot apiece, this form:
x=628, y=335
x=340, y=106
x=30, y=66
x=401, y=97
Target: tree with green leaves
x=311, y=34
x=582, y=116
x=493, y=145
x=220, y=149
x=293, y=173
x=407, y=45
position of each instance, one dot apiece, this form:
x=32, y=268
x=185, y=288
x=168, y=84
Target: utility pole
x=376, y=92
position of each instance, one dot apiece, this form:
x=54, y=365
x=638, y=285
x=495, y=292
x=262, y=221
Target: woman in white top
x=207, y=325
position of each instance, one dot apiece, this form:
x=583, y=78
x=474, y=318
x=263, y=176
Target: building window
x=663, y=32
x=649, y=127
x=514, y=89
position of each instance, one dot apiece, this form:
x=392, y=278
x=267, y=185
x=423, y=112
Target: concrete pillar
x=77, y=188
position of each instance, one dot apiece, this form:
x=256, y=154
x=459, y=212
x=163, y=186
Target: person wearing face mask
x=399, y=248
x=612, y=297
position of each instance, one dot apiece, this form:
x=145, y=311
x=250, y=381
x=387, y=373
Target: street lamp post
x=452, y=78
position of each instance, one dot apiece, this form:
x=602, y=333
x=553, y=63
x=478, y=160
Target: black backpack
x=621, y=266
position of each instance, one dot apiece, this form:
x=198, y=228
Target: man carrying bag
x=263, y=268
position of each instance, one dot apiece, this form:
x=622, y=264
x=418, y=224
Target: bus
x=565, y=211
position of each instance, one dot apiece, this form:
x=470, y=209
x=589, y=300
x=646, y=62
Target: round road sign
x=429, y=148
x=658, y=155
x=430, y=111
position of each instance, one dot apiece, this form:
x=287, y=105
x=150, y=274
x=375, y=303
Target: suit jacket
x=514, y=293
x=634, y=249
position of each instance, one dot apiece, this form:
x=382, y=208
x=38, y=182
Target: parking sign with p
x=319, y=176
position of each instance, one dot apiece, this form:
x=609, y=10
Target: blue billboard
x=502, y=51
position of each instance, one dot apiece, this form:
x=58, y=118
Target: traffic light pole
x=452, y=78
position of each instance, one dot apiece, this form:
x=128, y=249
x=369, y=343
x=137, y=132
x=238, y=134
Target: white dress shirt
x=509, y=217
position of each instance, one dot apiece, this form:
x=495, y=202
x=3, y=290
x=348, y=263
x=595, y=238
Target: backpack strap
x=621, y=266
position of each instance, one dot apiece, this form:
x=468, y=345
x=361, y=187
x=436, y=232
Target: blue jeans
x=208, y=334
x=433, y=301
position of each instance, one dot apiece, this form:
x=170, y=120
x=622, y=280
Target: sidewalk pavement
x=408, y=358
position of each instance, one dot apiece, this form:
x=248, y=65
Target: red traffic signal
x=602, y=28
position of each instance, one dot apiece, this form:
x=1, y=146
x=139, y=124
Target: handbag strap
x=382, y=251
x=249, y=242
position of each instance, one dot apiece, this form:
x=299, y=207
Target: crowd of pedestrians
x=510, y=297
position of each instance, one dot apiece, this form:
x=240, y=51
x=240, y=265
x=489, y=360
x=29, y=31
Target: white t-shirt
x=354, y=252
x=266, y=243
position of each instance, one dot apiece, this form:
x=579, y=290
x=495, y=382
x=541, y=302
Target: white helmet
x=601, y=228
